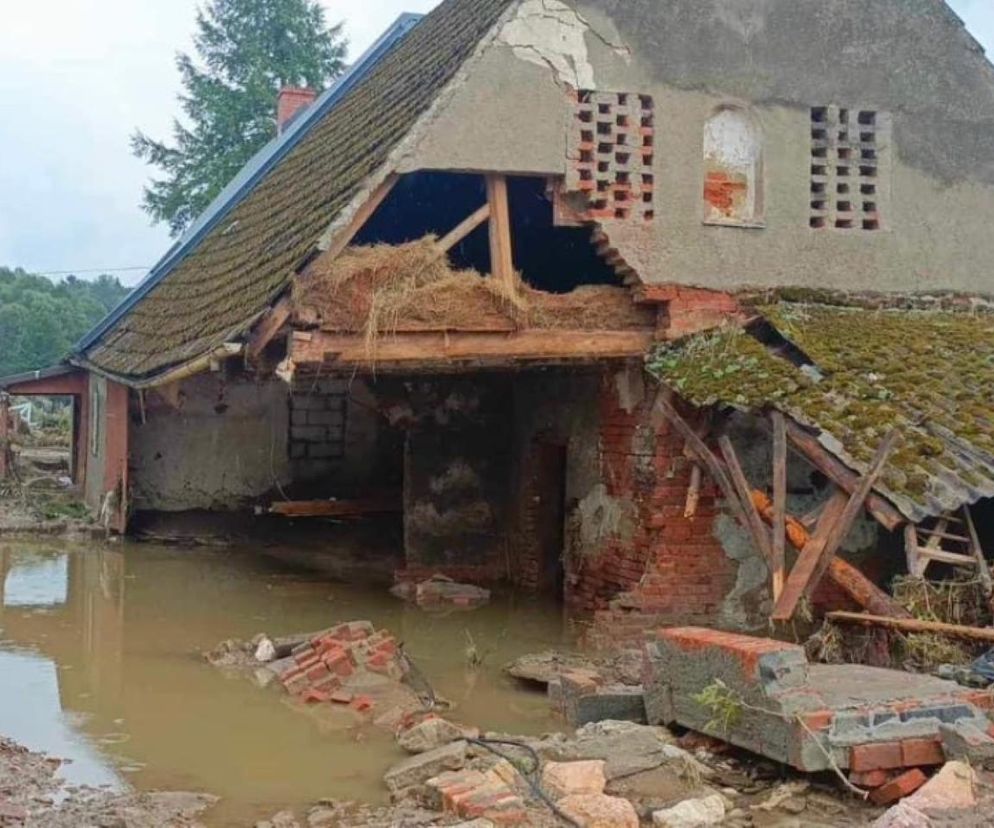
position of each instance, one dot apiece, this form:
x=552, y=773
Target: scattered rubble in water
x=32, y=794
x=439, y=593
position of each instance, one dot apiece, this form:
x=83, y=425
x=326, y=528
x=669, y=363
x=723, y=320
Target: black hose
x=530, y=776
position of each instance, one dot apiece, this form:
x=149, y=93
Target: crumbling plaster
x=223, y=445
x=777, y=58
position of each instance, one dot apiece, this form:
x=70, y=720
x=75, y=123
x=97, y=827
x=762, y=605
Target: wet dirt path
x=99, y=663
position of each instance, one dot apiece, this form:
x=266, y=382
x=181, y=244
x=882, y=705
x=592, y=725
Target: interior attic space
x=550, y=258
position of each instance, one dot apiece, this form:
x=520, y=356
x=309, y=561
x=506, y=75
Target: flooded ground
x=100, y=663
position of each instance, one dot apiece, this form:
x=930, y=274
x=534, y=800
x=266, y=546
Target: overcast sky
x=78, y=76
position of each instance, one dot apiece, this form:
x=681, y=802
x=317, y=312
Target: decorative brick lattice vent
x=614, y=151
x=845, y=174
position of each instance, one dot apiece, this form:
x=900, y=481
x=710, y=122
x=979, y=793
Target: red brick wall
x=671, y=570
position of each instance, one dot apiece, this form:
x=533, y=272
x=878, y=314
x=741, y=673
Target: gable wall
x=908, y=60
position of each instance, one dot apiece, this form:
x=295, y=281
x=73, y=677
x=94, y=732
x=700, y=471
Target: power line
x=89, y=270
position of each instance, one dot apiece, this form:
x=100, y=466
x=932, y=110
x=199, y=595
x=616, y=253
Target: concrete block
x=325, y=418
x=967, y=742
x=420, y=768
x=325, y=451
x=615, y=703
x=308, y=434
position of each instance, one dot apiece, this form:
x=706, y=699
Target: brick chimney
x=291, y=100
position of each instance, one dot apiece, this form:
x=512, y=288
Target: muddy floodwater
x=100, y=663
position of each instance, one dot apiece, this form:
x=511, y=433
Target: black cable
x=533, y=783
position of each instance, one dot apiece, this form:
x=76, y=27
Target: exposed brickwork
x=689, y=310
x=615, y=150
x=671, y=569
x=290, y=101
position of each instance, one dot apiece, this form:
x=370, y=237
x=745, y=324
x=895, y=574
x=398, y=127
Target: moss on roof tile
x=930, y=374
x=235, y=272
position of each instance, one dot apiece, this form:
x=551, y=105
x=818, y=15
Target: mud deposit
x=100, y=664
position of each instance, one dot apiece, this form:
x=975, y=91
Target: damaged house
x=653, y=305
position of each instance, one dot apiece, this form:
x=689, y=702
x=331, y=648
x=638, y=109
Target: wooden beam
x=911, y=551
x=463, y=229
x=754, y=523
x=697, y=447
x=978, y=551
x=815, y=560
x=840, y=474
x=693, y=492
x=441, y=349
x=803, y=570
x=779, y=502
x=338, y=508
x=501, y=251
x=853, y=582
x=913, y=625
x=271, y=324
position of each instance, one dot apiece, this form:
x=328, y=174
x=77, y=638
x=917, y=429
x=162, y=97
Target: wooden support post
x=815, y=560
x=801, y=574
x=501, y=252
x=913, y=625
x=779, y=502
x=754, y=523
x=698, y=448
x=693, y=492
x=279, y=314
x=978, y=552
x=463, y=229
x=915, y=568
x=116, y=423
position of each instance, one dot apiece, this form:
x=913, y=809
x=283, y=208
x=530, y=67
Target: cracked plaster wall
x=910, y=58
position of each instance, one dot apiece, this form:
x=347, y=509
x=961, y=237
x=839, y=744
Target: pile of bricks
x=317, y=670
x=472, y=794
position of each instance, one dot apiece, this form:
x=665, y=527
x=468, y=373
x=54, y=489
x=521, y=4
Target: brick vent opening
x=616, y=152
x=845, y=156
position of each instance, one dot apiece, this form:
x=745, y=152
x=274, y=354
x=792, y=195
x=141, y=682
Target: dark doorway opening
x=549, y=515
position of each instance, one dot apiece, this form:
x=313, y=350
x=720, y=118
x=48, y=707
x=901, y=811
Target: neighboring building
x=642, y=164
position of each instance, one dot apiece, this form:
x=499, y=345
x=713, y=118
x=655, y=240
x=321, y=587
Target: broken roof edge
x=945, y=301
x=33, y=376
x=247, y=179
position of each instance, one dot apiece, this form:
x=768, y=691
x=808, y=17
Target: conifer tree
x=246, y=50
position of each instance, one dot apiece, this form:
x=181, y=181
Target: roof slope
x=930, y=374
x=236, y=270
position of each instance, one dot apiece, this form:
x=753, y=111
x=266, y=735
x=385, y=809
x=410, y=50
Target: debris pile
x=349, y=666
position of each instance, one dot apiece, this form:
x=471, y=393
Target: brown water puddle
x=99, y=662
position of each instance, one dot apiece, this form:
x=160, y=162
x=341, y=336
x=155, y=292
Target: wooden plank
x=463, y=229
x=811, y=566
x=271, y=324
x=440, y=349
x=944, y=556
x=699, y=449
x=693, y=492
x=840, y=474
x=754, y=523
x=915, y=567
x=338, y=508
x=853, y=582
x=978, y=551
x=501, y=251
x=5, y=453
x=941, y=535
x=779, y=502
x=913, y=625
x=806, y=563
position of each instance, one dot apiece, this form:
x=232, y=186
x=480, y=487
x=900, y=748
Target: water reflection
x=115, y=633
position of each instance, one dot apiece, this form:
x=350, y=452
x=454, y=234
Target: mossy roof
x=929, y=374
x=235, y=272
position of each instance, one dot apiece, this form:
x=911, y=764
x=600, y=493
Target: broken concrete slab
x=583, y=705
x=542, y=668
x=429, y=733
x=968, y=742
x=440, y=592
x=807, y=716
x=691, y=813
x=418, y=769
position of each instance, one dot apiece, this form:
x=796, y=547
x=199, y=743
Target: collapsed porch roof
x=851, y=375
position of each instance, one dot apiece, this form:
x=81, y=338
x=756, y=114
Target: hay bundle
x=382, y=288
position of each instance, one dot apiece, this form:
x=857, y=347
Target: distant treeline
x=41, y=319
